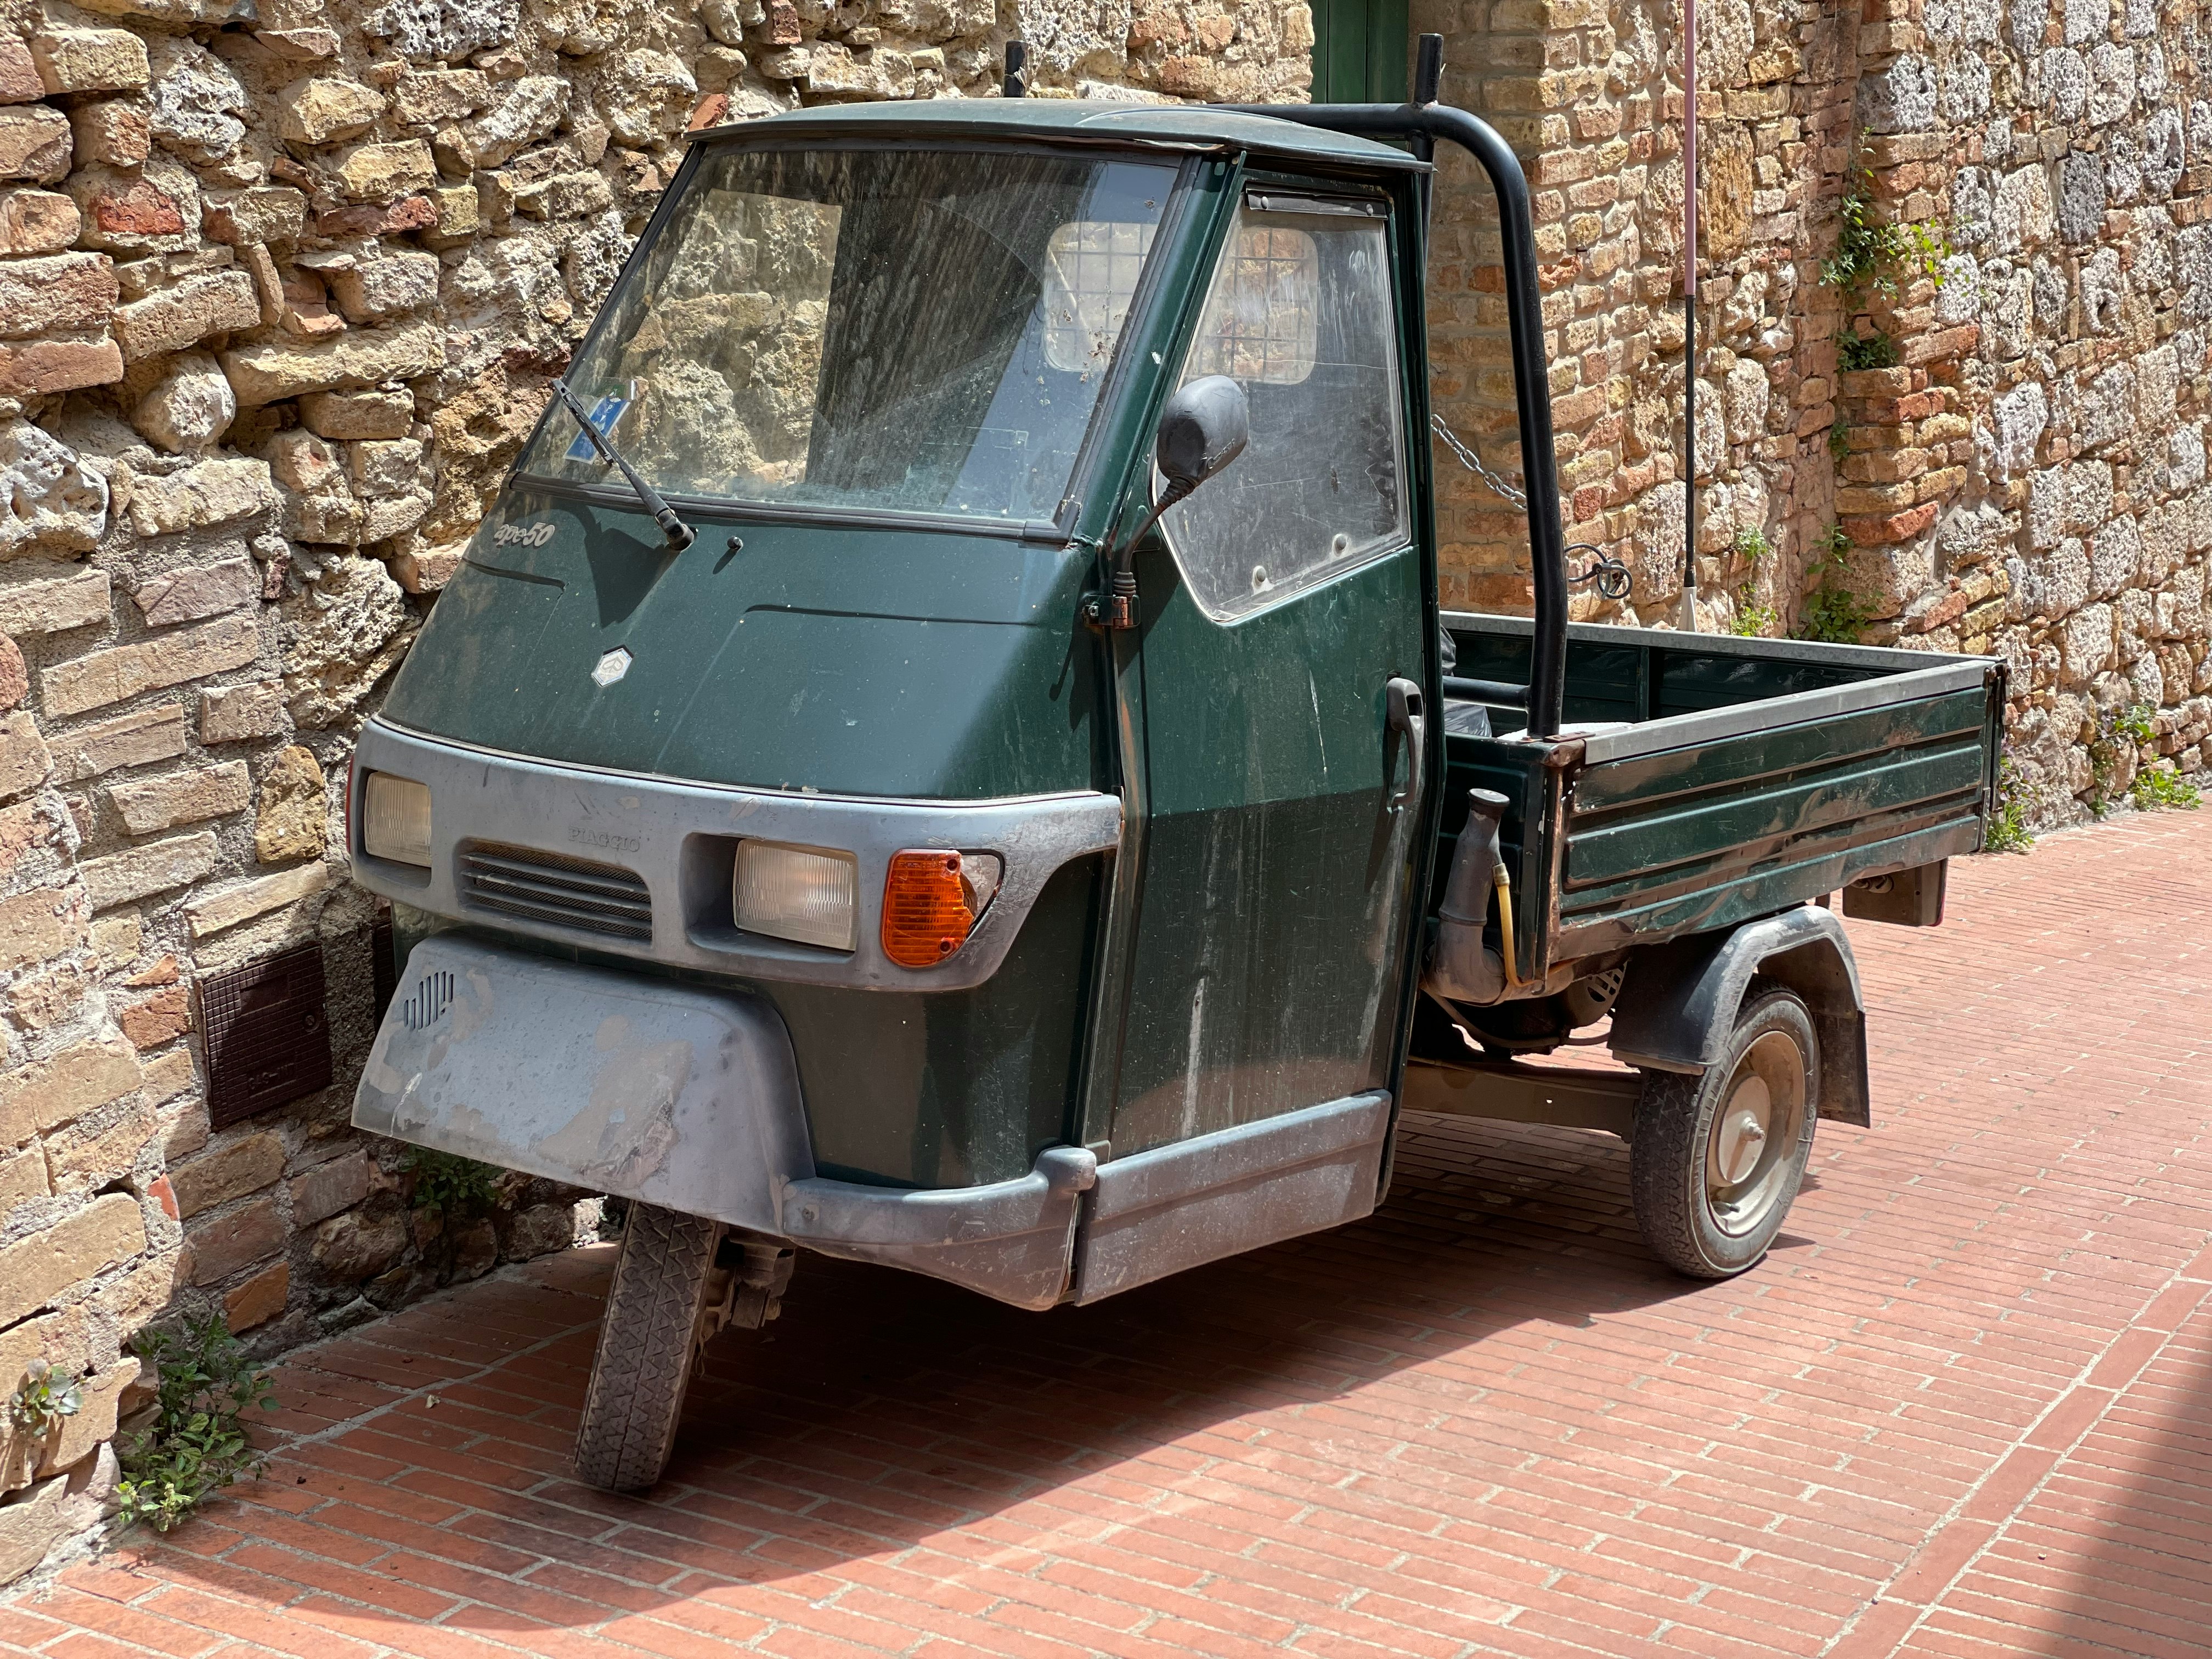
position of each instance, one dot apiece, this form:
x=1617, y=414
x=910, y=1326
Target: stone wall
x=282, y=288
x=2025, y=476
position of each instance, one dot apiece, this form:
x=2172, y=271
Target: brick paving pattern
x=1965, y=1409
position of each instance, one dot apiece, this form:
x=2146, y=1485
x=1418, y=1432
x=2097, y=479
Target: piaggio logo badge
x=524, y=535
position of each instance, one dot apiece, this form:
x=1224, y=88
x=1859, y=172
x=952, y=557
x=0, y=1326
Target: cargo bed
x=1703, y=781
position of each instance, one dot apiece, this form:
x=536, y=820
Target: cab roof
x=1142, y=126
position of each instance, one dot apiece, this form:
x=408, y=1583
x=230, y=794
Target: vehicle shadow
x=884, y=1411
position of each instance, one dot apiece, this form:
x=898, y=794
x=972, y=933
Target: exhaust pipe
x=1460, y=969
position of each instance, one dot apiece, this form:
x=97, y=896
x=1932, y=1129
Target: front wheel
x=658, y=1315
x=1716, y=1159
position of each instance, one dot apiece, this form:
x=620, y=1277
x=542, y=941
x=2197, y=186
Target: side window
x=1301, y=315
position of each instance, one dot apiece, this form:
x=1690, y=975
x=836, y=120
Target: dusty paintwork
x=680, y=1098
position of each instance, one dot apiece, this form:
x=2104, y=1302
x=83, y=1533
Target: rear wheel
x=1717, y=1159
x=660, y=1308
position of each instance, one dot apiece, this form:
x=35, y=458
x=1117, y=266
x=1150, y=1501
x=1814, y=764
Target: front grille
x=551, y=887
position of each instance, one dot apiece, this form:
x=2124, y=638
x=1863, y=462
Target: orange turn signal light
x=930, y=902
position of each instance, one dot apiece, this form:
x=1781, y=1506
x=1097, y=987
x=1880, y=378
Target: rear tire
x=1717, y=1160
x=658, y=1314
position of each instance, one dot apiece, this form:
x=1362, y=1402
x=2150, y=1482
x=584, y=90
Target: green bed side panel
x=1710, y=834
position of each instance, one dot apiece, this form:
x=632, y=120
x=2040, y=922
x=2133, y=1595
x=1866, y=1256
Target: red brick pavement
x=1965, y=1409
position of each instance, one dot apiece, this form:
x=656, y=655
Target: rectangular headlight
x=396, y=820
x=806, y=894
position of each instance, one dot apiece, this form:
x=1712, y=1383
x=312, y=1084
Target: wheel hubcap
x=1748, y=1155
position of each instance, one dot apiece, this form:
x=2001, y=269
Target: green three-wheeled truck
x=946, y=753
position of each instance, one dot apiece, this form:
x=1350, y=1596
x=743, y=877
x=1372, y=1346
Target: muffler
x=1460, y=968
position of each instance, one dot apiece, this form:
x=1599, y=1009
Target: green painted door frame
x=1359, y=54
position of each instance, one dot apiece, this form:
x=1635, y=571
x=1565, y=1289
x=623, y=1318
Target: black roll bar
x=1420, y=125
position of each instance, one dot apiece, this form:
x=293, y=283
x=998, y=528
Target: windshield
x=905, y=330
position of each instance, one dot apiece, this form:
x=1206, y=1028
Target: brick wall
x=2027, y=477
x=279, y=296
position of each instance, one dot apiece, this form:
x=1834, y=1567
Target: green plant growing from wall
x=1833, y=613
x=1752, y=549
x=1839, y=442
x=2160, y=787
x=203, y=1385
x=2007, y=830
x=453, y=1185
x=42, y=1399
x=1870, y=254
x=1857, y=351
x=2120, y=734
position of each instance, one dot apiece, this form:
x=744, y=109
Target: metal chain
x=1473, y=462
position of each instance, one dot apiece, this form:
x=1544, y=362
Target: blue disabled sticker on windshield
x=605, y=414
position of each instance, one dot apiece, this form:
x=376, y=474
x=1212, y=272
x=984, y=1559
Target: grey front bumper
x=682, y=1097
x=688, y=1098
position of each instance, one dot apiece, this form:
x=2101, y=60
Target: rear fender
x=1678, y=1003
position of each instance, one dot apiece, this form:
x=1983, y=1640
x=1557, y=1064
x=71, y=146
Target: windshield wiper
x=680, y=535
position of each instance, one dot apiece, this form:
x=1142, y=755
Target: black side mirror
x=1205, y=426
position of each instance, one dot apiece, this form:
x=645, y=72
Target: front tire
x=1717, y=1159
x=656, y=1318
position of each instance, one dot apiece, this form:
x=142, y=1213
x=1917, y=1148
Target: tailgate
x=1702, y=821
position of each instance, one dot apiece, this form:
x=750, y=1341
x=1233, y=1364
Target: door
x=1272, y=924
x=1360, y=51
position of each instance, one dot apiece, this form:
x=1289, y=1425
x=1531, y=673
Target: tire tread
x=647, y=1340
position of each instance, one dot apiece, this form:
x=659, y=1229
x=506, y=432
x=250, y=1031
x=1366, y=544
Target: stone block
x=23, y=826
x=138, y=738
x=55, y=503
x=566, y=196
x=39, y=368
x=36, y=221
x=193, y=592
x=237, y=712
x=391, y=466
x=34, y=143
x=190, y=407
x=31, y=1526
x=40, y=925
x=258, y=1300
x=118, y=133
x=92, y=1156
x=221, y=302
x=380, y=218
x=124, y=671
x=270, y=372
x=394, y=515
x=34, y=1271
x=22, y=1177
x=373, y=414
x=90, y=60
x=19, y=84
x=324, y=109
x=63, y=292
x=25, y=761
x=427, y=569
x=360, y=1244
x=201, y=497
x=168, y=1076
x=389, y=287
x=438, y=96
x=159, y=1020
x=323, y=1191
x=226, y=907
x=379, y=172
x=152, y=210
x=264, y=213
x=41, y=1001
x=162, y=803
x=291, y=817
x=247, y=1235
x=154, y=868
x=233, y=1172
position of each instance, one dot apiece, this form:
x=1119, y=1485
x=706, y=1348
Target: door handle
x=1403, y=700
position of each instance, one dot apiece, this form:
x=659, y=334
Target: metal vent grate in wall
x=556, y=890
x=268, y=1036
